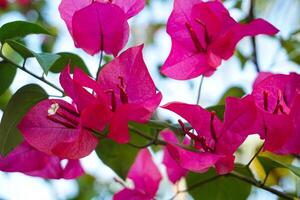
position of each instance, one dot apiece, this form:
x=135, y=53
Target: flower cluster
x=203, y=34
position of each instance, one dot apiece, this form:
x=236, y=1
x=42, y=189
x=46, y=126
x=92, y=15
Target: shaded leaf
x=119, y=157
x=18, y=106
x=219, y=109
x=7, y=75
x=4, y=99
x=69, y=58
x=231, y=92
x=20, y=29
x=271, y=161
x=221, y=187
x=46, y=60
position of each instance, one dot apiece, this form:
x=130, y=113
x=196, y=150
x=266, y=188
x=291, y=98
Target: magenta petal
x=54, y=138
x=131, y=195
x=73, y=169
x=81, y=97
x=225, y=165
x=182, y=64
x=100, y=26
x=130, y=67
x=118, y=129
x=130, y=7
x=67, y=8
x=292, y=145
x=198, y=118
x=193, y=161
x=241, y=119
x=278, y=130
x=96, y=117
x=174, y=170
x=225, y=45
x=30, y=161
x=145, y=174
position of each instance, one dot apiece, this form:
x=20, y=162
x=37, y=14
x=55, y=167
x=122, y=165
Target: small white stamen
x=53, y=109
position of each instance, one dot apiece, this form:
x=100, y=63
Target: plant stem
x=196, y=185
x=41, y=78
x=259, y=185
x=253, y=39
x=100, y=65
x=199, y=90
x=255, y=155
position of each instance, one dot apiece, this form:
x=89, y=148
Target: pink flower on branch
x=204, y=33
x=99, y=25
x=25, y=159
x=174, y=170
x=124, y=92
x=130, y=90
x=277, y=99
x=214, y=142
x=145, y=176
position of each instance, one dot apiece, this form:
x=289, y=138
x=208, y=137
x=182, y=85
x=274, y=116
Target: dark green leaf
x=7, y=75
x=231, y=92
x=219, y=109
x=215, y=187
x=270, y=162
x=46, y=60
x=119, y=157
x=20, y=48
x=20, y=29
x=69, y=58
x=18, y=106
x=4, y=99
x=292, y=47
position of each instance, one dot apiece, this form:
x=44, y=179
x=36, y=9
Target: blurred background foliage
x=282, y=50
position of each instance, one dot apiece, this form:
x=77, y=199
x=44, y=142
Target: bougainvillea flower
x=145, y=176
x=3, y=4
x=204, y=33
x=66, y=130
x=214, y=142
x=174, y=170
x=25, y=159
x=99, y=25
x=277, y=98
x=130, y=90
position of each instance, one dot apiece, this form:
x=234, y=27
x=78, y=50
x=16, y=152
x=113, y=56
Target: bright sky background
x=15, y=186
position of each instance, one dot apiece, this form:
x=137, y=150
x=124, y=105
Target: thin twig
x=253, y=39
x=259, y=185
x=30, y=73
x=199, y=90
x=196, y=185
x=100, y=64
x=255, y=155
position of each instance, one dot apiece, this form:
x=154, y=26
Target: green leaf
x=19, y=29
x=20, y=48
x=69, y=58
x=219, y=109
x=292, y=47
x=7, y=75
x=4, y=99
x=18, y=106
x=46, y=60
x=219, y=188
x=242, y=58
x=119, y=157
x=231, y=92
x=271, y=161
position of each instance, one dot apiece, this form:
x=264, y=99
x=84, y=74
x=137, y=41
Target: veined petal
x=100, y=26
